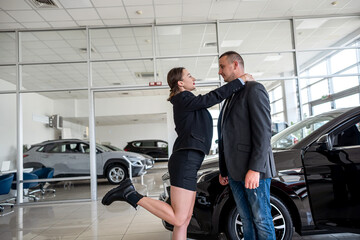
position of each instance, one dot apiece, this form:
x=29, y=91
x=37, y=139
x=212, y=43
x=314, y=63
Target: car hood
x=124, y=153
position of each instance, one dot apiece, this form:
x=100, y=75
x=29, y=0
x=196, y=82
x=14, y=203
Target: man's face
x=226, y=69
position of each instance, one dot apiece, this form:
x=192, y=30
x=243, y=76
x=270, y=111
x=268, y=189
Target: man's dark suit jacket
x=194, y=124
x=244, y=134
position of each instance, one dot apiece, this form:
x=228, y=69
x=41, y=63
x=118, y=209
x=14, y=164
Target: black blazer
x=245, y=134
x=193, y=122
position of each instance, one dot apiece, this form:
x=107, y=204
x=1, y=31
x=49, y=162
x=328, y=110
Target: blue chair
x=5, y=185
x=26, y=186
x=43, y=173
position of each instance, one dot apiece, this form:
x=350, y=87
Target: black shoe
x=124, y=192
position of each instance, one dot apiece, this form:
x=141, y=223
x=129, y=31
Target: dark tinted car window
x=148, y=144
x=46, y=148
x=348, y=137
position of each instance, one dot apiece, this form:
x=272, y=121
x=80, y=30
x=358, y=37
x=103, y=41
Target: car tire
x=281, y=217
x=116, y=173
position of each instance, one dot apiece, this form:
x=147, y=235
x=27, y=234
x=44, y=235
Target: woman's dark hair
x=174, y=75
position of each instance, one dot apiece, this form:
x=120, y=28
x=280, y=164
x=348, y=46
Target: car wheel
x=116, y=173
x=281, y=218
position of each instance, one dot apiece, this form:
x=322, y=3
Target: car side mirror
x=324, y=142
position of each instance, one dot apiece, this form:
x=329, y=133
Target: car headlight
x=135, y=161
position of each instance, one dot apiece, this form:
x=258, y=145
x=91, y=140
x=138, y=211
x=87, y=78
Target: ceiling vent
x=145, y=74
x=44, y=3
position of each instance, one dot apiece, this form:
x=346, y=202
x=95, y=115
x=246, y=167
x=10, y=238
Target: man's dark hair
x=233, y=56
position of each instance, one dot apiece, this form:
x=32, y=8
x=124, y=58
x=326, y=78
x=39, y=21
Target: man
x=245, y=157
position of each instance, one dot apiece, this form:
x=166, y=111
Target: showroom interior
x=95, y=70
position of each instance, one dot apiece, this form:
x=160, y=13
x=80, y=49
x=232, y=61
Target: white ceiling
x=74, y=13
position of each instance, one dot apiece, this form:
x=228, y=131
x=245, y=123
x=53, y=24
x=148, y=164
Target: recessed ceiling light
x=231, y=43
x=173, y=30
x=273, y=58
x=334, y=3
x=139, y=12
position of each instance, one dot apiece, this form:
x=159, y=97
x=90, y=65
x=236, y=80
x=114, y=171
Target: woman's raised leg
x=178, y=213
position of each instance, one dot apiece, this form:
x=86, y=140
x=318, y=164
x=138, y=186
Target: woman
x=194, y=128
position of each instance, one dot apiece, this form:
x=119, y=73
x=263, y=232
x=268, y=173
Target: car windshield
x=297, y=132
x=103, y=148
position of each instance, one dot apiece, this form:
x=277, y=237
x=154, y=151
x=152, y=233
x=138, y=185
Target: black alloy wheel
x=281, y=218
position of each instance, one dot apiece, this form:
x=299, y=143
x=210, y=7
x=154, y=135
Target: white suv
x=70, y=157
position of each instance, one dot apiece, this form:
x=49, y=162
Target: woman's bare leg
x=177, y=214
x=180, y=232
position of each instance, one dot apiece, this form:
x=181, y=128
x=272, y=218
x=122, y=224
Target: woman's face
x=187, y=83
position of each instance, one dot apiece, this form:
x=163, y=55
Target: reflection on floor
x=92, y=220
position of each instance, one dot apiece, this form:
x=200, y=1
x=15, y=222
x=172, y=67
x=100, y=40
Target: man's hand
x=223, y=180
x=247, y=77
x=252, y=179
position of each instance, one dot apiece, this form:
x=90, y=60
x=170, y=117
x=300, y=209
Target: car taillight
x=126, y=150
x=25, y=155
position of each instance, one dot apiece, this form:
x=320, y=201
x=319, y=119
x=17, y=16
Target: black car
x=316, y=188
x=158, y=149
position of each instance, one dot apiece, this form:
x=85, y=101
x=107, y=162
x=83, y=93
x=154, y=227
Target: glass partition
x=186, y=39
x=204, y=69
x=54, y=76
x=338, y=31
x=132, y=42
x=260, y=36
x=8, y=78
x=122, y=73
x=272, y=65
x=55, y=135
x=7, y=47
x=8, y=147
x=49, y=46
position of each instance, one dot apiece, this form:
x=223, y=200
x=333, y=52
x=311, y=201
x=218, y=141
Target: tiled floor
x=92, y=220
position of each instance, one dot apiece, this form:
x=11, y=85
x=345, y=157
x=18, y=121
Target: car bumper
x=138, y=171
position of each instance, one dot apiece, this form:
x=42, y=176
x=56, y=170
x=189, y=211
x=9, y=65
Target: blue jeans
x=254, y=209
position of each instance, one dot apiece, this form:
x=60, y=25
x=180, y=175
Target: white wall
x=8, y=128
x=34, y=131
x=121, y=134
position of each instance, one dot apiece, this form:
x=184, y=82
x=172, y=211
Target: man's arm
x=260, y=119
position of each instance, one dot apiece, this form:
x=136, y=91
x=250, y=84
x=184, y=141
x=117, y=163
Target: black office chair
x=43, y=173
x=5, y=185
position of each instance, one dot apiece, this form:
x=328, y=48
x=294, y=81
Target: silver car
x=70, y=157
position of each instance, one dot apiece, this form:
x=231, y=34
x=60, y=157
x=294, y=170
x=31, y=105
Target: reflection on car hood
x=123, y=153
